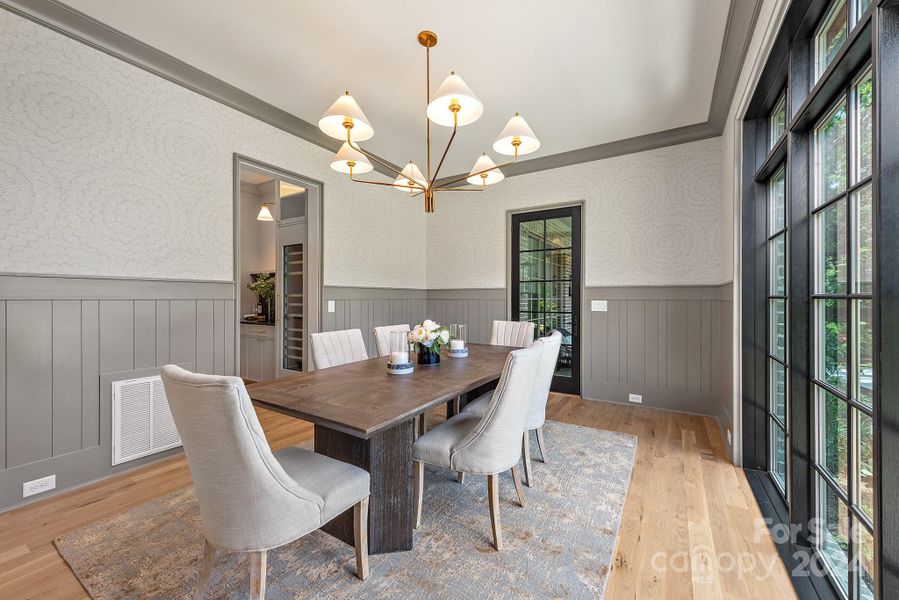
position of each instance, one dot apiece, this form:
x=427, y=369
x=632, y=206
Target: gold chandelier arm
x=442, y=158
x=357, y=148
x=393, y=185
x=445, y=186
x=460, y=189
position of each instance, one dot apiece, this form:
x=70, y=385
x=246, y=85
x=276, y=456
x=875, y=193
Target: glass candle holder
x=458, y=340
x=399, y=363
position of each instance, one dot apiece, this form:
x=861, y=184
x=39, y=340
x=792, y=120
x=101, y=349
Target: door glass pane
x=866, y=564
x=531, y=235
x=864, y=132
x=863, y=352
x=777, y=252
x=863, y=246
x=531, y=266
x=778, y=376
x=865, y=476
x=558, y=264
x=292, y=201
x=831, y=35
x=831, y=344
x=779, y=453
x=831, y=232
x=830, y=153
x=777, y=202
x=777, y=120
x=834, y=539
x=557, y=296
x=777, y=338
x=558, y=232
x=834, y=432
x=529, y=299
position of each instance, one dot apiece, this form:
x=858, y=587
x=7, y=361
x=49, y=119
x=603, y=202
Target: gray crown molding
x=83, y=28
x=78, y=26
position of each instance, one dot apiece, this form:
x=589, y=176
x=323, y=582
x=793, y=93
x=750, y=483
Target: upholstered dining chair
x=333, y=348
x=382, y=337
x=536, y=416
x=512, y=333
x=487, y=445
x=252, y=500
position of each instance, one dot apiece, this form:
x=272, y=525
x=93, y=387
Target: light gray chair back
x=333, y=348
x=382, y=337
x=512, y=333
x=247, y=501
x=543, y=380
x=495, y=444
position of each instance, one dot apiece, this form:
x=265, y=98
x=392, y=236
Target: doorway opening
x=546, y=283
x=277, y=224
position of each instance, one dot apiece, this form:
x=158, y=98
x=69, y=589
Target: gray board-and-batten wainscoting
x=63, y=340
x=670, y=344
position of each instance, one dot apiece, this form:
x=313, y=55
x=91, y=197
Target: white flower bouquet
x=429, y=337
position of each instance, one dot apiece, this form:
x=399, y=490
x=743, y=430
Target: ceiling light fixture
x=264, y=214
x=454, y=105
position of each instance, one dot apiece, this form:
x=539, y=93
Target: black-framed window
x=778, y=298
x=834, y=69
x=843, y=377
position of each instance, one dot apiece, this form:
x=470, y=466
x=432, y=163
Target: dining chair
x=252, y=500
x=536, y=415
x=512, y=333
x=333, y=348
x=382, y=337
x=487, y=445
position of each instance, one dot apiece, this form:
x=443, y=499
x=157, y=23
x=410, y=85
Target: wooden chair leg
x=419, y=485
x=541, y=443
x=493, y=498
x=205, y=570
x=257, y=574
x=526, y=458
x=360, y=534
x=517, y=480
x=460, y=477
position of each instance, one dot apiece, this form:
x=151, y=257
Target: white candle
x=399, y=358
x=457, y=345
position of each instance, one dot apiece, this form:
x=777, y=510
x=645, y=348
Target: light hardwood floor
x=690, y=528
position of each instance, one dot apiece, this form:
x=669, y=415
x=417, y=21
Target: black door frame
x=568, y=385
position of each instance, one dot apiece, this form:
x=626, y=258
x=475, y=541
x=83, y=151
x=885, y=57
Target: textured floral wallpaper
x=106, y=169
x=652, y=218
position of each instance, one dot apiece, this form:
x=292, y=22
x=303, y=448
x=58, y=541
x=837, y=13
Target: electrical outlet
x=635, y=398
x=599, y=305
x=332, y=306
x=39, y=486
x=729, y=438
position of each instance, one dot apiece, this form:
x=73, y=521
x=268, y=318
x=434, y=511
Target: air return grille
x=141, y=421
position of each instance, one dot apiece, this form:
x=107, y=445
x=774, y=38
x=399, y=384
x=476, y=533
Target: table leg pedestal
x=387, y=456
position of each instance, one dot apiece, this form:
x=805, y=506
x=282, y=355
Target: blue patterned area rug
x=560, y=546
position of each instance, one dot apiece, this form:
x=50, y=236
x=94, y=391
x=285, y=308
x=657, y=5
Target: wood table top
x=362, y=398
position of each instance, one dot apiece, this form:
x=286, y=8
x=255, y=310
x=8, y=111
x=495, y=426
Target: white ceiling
x=582, y=72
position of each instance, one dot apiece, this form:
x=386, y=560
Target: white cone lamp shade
x=453, y=91
x=494, y=176
x=411, y=171
x=345, y=107
x=265, y=214
x=516, y=130
x=346, y=155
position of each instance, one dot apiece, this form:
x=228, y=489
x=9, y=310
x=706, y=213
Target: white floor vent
x=141, y=421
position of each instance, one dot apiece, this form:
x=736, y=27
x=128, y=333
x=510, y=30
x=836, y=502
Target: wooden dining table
x=365, y=416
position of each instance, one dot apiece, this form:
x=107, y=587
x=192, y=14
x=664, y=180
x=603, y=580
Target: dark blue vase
x=426, y=357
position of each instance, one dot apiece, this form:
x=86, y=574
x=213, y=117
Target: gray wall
x=64, y=340
x=672, y=345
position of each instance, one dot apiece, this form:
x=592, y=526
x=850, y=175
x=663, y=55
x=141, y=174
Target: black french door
x=546, y=283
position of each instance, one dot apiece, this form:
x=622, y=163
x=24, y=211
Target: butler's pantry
x=272, y=221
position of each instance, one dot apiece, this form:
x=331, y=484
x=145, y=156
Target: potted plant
x=264, y=287
x=428, y=338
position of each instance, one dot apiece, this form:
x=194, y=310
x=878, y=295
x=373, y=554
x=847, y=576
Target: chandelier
x=454, y=105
